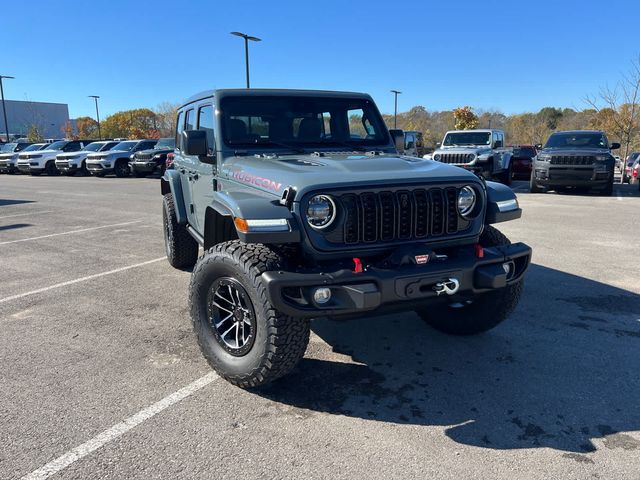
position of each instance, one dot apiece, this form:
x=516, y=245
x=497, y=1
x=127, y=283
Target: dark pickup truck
x=305, y=209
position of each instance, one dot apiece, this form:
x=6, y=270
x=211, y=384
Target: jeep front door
x=202, y=179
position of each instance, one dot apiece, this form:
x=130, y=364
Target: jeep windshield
x=576, y=140
x=125, y=146
x=298, y=123
x=94, y=147
x=467, y=138
x=165, y=144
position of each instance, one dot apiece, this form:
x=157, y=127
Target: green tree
x=35, y=134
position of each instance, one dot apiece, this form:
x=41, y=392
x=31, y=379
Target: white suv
x=41, y=161
x=117, y=159
x=72, y=162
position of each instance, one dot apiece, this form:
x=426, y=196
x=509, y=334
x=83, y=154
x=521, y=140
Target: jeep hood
x=312, y=172
x=574, y=151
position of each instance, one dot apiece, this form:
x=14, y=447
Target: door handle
x=195, y=176
x=182, y=170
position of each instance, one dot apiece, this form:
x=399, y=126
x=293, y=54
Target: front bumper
x=98, y=168
x=572, y=177
x=143, y=167
x=401, y=288
x=6, y=167
x=24, y=167
x=66, y=166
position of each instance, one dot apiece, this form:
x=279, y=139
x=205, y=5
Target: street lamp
x=395, y=107
x=246, y=49
x=96, y=97
x=4, y=109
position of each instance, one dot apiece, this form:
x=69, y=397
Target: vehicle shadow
x=562, y=371
x=14, y=226
x=10, y=201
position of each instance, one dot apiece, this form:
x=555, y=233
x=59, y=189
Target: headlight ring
x=321, y=211
x=467, y=199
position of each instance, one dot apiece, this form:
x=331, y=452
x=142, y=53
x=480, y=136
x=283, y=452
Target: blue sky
x=509, y=55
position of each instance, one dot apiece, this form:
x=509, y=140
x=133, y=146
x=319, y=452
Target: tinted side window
x=190, y=120
x=179, y=128
x=205, y=122
x=72, y=147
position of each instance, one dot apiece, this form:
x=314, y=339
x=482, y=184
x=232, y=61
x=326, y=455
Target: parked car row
x=88, y=157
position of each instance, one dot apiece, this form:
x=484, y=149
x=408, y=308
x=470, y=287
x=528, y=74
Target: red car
x=521, y=161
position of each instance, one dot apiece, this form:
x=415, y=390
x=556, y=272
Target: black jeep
x=145, y=162
x=580, y=160
x=305, y=209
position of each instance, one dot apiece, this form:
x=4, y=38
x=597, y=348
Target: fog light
x=322, y=295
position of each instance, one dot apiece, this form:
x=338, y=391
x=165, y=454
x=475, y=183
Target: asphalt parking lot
x=101, y=376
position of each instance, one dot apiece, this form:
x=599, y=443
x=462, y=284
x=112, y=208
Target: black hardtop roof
x=271, y=91
x=578, y=131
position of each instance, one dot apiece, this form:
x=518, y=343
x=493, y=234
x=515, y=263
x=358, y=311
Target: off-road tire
x=533, y=186
x=608, y=190
x=484, y=312
x=280, y=340
x=50, y=168
x=119, y=169
x=180, y=247
x=507, y=175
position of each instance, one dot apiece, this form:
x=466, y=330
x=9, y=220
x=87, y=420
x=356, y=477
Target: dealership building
x=50, y=118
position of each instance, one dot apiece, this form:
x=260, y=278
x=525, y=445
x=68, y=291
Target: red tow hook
x=479, y=250
x=357, y=265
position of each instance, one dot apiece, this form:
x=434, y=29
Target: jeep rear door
x=183, y=164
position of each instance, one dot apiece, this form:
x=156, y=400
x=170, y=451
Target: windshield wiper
x=282, y=144
x=344, y=144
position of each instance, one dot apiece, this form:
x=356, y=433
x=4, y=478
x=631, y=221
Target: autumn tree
x=166, y=114
x=465, y=118
x=68, y=132
x=35, y=133
x=136, y=123
x=87, y=128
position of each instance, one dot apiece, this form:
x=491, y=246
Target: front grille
x=143, y=156
x=586, y=160
x=398, y=215
x=459, y=158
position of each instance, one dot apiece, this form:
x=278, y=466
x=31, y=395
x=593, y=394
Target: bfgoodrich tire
x=180, y=247
x=243, y=337
x=479, y=314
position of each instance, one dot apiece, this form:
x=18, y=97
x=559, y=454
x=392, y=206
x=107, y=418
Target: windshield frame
x=346, y=104
x=576, y=134
x=468, y=132
x=132, y=142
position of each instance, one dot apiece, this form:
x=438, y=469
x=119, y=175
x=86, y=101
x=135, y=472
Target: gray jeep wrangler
x=305, y=209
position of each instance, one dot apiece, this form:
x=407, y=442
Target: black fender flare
x=226, y=206
x=170, y=183
x=502, y=204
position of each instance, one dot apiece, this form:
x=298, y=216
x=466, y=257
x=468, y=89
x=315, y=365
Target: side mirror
x=397, y=136
x=194, y=142
x=438, y=144
x=615, y=146
x=538, y=146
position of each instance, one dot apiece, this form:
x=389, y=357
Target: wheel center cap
x=238, y=315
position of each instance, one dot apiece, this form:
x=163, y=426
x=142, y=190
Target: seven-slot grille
x=400, y=215
x=453, y=158
x=572, y=160
x=143, y=156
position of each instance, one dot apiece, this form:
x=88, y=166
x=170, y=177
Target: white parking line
x=25, y=214
x=78, y=280
x=69, y=232
x=118, y=429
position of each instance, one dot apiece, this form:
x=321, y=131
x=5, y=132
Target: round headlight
x=471, y=157
x=321, y=211
x=466, y=200
x=436, y=157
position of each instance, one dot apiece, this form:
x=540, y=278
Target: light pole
x=96, y=97
x=4, y=108
x=395, y=107
x=246, y=49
